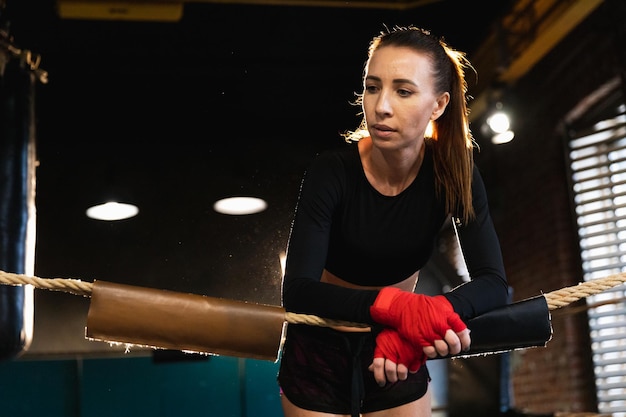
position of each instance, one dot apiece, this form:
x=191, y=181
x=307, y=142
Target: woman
x=366, y=222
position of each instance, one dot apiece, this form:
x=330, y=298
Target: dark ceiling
x=234, y=99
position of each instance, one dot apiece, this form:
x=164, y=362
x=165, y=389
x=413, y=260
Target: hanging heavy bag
x=17, y=163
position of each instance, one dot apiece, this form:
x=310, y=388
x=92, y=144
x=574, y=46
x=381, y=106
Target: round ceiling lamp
x=112, y=211
x=240, y=205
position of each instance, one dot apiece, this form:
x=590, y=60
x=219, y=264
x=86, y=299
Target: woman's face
x=399, y=97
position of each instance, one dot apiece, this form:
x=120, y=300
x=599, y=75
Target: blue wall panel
x=200, y=388
x=261, y=389
x=121, y=387
x=138, y=386
x=38, y=388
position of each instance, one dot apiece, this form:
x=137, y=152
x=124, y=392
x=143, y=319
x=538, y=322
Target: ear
x=440, y=105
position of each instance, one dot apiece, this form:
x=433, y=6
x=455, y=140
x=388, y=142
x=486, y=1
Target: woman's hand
x=425, y=321
x=394, y=358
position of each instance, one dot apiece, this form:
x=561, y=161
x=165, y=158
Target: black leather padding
x=519, y=325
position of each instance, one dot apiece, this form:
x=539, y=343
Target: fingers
x=387, y=371
x=465, y=338
x=378, y=368
x=390, y=371
x=430, y=351
x=452, y=344
x=401, y=372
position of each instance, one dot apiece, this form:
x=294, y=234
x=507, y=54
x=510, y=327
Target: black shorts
x=325, y=370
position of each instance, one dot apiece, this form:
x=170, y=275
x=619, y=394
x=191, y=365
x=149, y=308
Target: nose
x=383, y=104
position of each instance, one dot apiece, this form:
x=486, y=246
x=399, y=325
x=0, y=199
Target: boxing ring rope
x=84, y=288
x=121, y=313
x=555, y=299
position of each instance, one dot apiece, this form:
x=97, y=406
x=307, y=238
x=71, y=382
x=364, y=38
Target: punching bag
x=17, y=166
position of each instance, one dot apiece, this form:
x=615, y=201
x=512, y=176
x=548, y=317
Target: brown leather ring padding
x=165, y=319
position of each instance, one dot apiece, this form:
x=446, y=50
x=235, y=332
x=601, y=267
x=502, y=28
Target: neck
x=391, y=171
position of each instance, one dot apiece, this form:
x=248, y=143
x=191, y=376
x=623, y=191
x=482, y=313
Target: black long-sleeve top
x=344, y=225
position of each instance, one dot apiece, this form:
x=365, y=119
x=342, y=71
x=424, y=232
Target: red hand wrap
x=419, y=318
x=390, y=345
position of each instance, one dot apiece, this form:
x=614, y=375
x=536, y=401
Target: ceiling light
x=499, y=122
x=498, y=125
x=112, y=211
x=240, y=205
x=504, y=137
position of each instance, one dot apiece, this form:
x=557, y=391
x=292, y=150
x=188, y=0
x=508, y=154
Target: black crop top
x=344, y=225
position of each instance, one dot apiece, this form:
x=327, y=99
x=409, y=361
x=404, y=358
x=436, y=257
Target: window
x=597, y=156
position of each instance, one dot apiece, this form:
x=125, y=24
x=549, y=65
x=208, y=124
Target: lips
x=383, y=128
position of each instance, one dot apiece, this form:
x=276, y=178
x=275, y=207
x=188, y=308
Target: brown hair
x=451, y=139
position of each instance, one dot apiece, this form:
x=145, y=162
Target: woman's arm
x=302, y=292
x=488, y=287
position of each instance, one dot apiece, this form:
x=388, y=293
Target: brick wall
x=527, y=180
